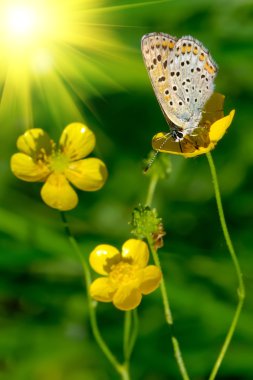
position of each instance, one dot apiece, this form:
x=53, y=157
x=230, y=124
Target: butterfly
x=182, y=74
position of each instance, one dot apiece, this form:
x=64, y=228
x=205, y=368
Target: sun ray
x=53, y=53
x=128, y=6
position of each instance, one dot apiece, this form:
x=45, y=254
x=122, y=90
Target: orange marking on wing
x=202, y=57
x=162, y=87
x=171, y=44
x=209, y=68
x=195, y=51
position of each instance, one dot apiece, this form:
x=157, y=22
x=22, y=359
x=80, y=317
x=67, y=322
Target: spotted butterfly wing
x=191, y=80
x=182, y=76
x=156, y=50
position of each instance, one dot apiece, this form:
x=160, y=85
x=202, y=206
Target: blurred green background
x=44, y=330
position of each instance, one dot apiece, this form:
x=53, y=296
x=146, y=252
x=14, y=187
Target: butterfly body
x=182, y=74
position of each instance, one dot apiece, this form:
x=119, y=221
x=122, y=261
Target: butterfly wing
x=156, y=50
x=191, y=81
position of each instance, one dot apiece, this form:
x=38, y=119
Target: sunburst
x=54, y=56
x=49, y=51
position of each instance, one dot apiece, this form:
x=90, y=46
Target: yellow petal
x=136, y=252
x=192, y=146
x=102, y=290
x=218, y=129
x=77, y=141
x=58, y=193
x=163, y=142
x=35, y=142
x=151, y=277
x=211, y=129
x=199, y=151
x=25, y=168
x=127, y=297
x=89, y=174
x=103, y=257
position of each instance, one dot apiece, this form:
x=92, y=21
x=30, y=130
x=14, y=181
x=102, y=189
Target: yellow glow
x=42, y=61
x=54, y=52
x=28, y=26
x=20, y=21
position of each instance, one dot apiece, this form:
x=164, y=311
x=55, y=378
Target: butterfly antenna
x=151, y=161
x=156, y=154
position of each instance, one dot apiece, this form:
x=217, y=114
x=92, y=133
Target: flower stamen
x=123, y=273
x=58, y=162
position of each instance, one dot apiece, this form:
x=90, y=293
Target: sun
x=27, y=26
x=20, y=22
x=54, y=57
x=46, y=50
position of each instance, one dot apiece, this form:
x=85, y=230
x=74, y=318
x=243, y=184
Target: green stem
x=168, y=315
x=241, y=287
x=131, y=326
x=121, y=369
x=167, y=311
x=151, y=189
x=127, y=332
x=135, y=323
x=125, y=372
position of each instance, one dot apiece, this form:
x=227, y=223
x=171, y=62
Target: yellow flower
x=127, y=274
x=204, y=138
x=40, y=159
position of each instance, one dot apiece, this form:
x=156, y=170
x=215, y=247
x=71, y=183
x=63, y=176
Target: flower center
x=123, y=273
x=58, y=162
